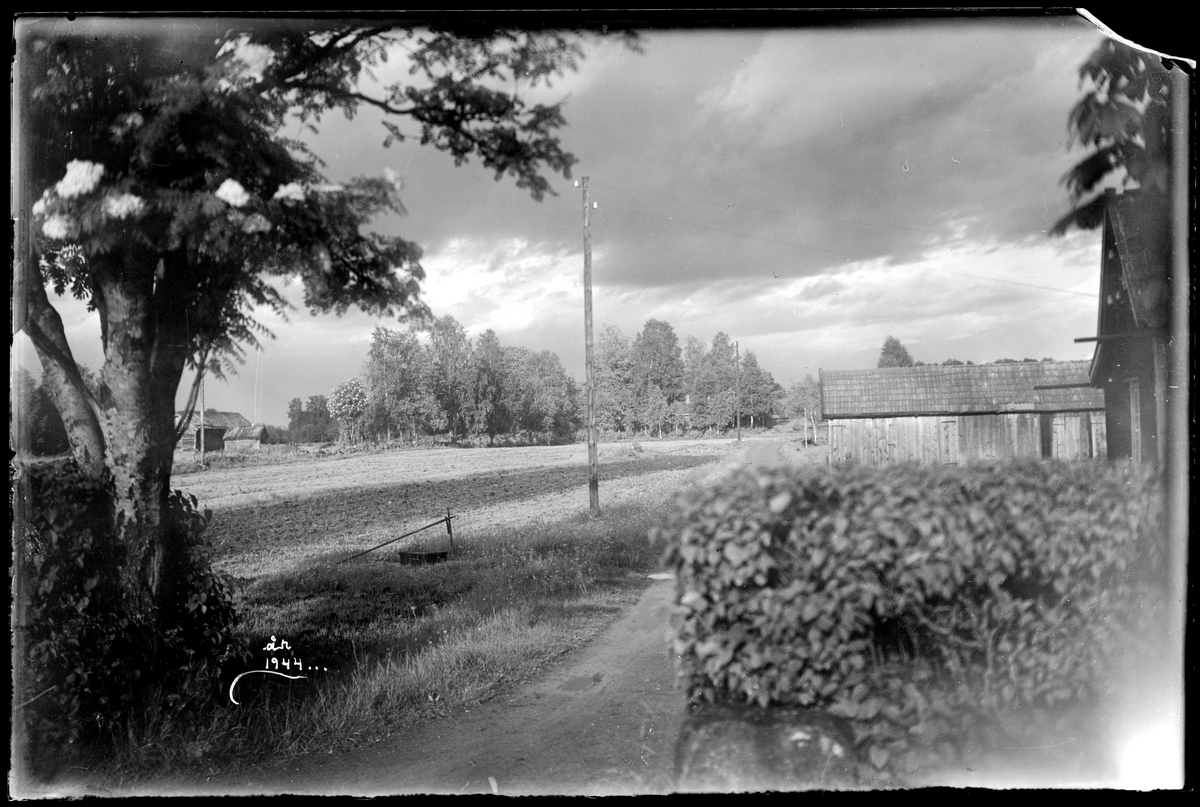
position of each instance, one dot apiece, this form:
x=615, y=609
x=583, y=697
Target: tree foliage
x=714, y=399
x=348, y=406
x=491, y=379
x=1123, y=118
x=693, y=358
x=478, y=388
x=655, y=377
x=462, y=387
x=311, y=422
x=399, y=397
x=616, y=407
x=760, y=392
x=804, y=399
x=894, y=354
x=545, y=400
x=657, y=361
x=450, y=368
x=652, y=384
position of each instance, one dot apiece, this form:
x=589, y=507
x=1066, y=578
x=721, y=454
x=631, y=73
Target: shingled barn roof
x=959, y=389
x=215, y=420
x=258, y=433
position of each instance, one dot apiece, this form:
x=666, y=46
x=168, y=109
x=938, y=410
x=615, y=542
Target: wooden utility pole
x=202, y=416
x=737, y=365
x=593, y=473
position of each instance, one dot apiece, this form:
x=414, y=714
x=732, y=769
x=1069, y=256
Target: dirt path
x=601, y=723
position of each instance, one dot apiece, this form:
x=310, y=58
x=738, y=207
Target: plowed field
x=269, y=518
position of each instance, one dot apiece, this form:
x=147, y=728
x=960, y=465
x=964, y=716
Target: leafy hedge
x=92, y=667
x=927, y=604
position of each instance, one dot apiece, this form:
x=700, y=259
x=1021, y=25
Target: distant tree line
x=453, y=386
x=895, y=354
x=309, y=423
x=458, y=387
x=651, y=385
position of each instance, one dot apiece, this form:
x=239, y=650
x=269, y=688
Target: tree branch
x=189, y=410
x=316, y=87
x=317, y=56
x=75, y=403
x=44, y=328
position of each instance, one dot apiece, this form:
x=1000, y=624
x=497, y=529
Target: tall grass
x=398, y=644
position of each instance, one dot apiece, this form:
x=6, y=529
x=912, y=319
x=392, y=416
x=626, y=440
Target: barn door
x=837, y=443
x=1099, y=436
x=948, y=447
x=1059, y=438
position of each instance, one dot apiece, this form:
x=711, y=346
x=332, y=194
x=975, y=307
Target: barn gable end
x=1129, y=362
x=217, y=429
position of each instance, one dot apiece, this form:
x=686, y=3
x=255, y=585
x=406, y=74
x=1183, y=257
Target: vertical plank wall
x=964, y=438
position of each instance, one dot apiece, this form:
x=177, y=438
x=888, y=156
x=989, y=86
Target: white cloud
x=507, y=286
x=976, y=301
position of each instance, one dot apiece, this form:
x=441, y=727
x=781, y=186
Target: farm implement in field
x=415, y=558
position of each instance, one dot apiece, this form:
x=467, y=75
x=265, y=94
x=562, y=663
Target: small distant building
x=243, y=437
x=956, y=414
x=217, y=425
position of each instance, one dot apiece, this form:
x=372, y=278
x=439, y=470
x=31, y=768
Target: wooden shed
x=957, y=414
x=217, y=426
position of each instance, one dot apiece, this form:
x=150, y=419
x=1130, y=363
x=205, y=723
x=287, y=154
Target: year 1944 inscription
x=287, y=666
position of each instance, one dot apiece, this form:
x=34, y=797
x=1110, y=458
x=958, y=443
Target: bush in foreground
x=944, y=611
x=92, y=667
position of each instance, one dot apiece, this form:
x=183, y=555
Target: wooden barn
x=957, y=414
x=1130, y=361
x=217, y=425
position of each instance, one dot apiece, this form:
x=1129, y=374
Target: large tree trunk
x=144, y=355
x=128, y=426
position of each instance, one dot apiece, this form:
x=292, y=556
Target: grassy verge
x=396, y=644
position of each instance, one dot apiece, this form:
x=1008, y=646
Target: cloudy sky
x=807, y=192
